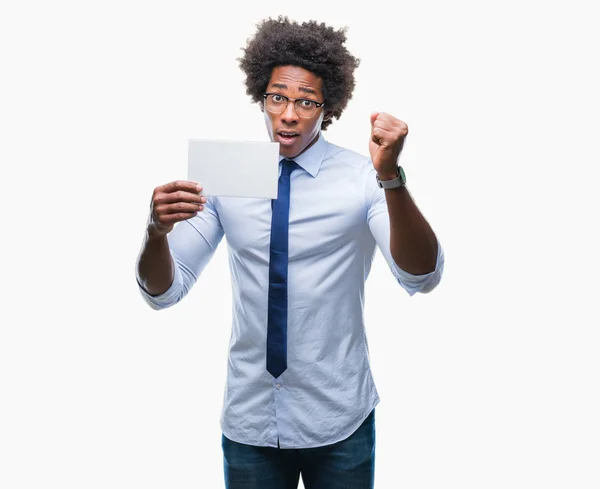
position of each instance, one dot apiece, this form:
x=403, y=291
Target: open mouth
x=285, y=137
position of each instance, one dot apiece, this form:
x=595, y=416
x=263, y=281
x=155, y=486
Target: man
x=300, y=397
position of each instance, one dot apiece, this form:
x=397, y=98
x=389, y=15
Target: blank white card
x=234, y=168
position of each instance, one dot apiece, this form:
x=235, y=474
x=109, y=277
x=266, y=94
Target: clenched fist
x=387, y=140
x=172, y=203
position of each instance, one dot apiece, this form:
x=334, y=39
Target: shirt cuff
x=420, y=283
x=170, y=296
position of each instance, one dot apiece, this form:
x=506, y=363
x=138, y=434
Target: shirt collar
x=312, y=158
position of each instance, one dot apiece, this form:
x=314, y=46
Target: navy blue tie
x=278, y=272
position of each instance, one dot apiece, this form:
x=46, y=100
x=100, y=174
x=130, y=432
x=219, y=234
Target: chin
x=290, y=151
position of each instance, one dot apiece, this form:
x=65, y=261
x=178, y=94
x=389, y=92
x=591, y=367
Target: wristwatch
x=399, y=181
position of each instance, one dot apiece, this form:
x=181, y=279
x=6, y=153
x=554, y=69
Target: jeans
x=348, y=464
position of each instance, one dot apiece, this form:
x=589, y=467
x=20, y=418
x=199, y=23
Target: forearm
x=413, y=244
x=155, y=265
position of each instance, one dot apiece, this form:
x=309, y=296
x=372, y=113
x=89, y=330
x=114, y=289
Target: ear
x=328, y=116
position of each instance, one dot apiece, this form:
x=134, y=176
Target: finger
x=386, y=126
x=179, y=196
x=385, y=117
x=168, y=219
x=389, y=123
x=391, y=136
x=177, y=208
x=177, y=185
x=379, y=135
x=374, y=116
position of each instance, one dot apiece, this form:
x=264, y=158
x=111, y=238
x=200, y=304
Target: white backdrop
x=489, y=382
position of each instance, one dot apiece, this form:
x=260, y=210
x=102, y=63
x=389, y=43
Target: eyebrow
x=302, y=89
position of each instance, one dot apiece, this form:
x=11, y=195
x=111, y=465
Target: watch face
x=401, y=174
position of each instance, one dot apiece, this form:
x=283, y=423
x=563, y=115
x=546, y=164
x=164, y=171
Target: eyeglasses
x=277, y=103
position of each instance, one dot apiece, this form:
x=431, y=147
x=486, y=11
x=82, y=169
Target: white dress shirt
x=337, y=216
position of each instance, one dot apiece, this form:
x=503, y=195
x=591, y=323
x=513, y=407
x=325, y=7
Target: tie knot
x=288, y=166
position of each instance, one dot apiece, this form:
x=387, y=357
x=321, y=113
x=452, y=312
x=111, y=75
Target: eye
x=277, y=98
x=306, y=103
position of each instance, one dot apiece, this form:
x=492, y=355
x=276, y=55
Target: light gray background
x=489, y=382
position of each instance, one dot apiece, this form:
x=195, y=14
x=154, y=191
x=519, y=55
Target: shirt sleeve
x=192, y=244
x=379, y=224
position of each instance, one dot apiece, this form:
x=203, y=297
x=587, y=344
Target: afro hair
x=315, y=47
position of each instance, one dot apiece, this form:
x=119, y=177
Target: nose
x=289, y=115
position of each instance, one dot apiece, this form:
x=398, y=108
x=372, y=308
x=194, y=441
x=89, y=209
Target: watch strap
x=399, y=181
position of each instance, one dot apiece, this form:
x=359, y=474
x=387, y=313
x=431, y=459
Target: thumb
x=374, y=116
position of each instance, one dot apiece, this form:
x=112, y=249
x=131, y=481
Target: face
x=294, y=82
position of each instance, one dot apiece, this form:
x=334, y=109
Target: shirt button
x=278, y=386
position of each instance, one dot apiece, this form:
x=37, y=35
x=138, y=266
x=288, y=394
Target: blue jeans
x=348, y=464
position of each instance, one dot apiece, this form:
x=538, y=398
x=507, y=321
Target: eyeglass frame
x=318, y=105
